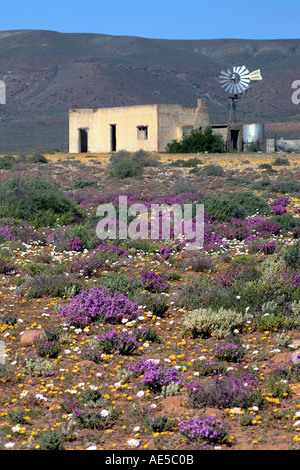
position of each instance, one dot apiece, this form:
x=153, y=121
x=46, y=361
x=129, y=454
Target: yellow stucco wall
x=164, y=123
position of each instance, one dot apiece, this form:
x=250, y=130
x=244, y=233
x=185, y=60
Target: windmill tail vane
x=255, y=75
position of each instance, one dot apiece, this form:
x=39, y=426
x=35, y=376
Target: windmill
x=235, y=82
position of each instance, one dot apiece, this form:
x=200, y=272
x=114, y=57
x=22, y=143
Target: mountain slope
x=47, y=73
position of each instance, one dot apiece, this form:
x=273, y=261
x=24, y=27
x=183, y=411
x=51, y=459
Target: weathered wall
x=126, y=120
x=163, y=122
x=175, y=120
x=81, y=118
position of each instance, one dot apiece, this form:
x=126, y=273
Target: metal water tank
x=253, y=133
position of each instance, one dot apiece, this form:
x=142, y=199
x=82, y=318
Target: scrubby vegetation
x=197, y=141
x=145, y=344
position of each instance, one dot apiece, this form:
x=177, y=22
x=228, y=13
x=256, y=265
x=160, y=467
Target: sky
x=159, y=19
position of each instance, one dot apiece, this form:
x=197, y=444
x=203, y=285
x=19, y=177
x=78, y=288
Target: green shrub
x=51, y=440
x=49, y=285
x=205, y=322
x=87, y=236
x=38, y=202
x=39, y=158
x=144, y=159
x=287, y=221
x=212, y=170
x=191, y=162
x=37, y=367
x=291, y=256
x=126, y=169
x=17, y=416
x=288, y=186
x=155, y=303
x=7, y=162
x=225, y=207
x=261, y=185
x=197, y=141
x=121, y=283
x=281, y=161
x=85, y=184
x=124, y=164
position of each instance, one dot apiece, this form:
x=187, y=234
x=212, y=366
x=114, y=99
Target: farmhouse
x=148, y=127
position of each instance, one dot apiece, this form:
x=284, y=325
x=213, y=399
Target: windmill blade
x=235, y=80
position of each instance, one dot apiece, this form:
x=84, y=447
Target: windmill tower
x=235, y=82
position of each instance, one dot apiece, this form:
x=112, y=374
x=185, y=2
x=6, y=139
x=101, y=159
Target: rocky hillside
x=46, y=73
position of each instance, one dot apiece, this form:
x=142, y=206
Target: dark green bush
x=49, y=285
x=38, y=202
x=197, y=141
x=51, y=440
x=261, y=185
x=39, y=158
x=7, y=162
x=281, y=161
x=191, y=162
x=121, y=283
x=124, y=164
x=126, y=169
x=85, y=184
x=287, y=186
x=212, y=170
x=287, y=221
x=291, y=256
x=238, y=205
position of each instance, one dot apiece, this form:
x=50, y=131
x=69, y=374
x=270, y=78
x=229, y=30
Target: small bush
x=205, y=322
x=238, y=205
x=154, y=282
x=153, y=302
x=99, y=304
x=228, y=352
x=189, y=163
x=126, y=169
x=37, y=366
x=225, y=392
x=120, y=342
x=51, y=440
x=291, y=256
x=286, y=221
x=49, y=285
x=159, y=423
x=85, y=184
x=207, y=428
x=95, y=419
x=74, y=238
x=48, y=349
x=124, y=164
x=212, y=170
x=39, y=158
x=38, y=202
x=17, y=416
x=7, y=162
x=281, y=161
x=197, y=141
x=155, y=377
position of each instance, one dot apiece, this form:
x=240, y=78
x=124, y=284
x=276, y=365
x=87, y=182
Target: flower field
x=144, y=344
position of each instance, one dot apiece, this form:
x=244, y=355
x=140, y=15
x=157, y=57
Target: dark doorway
x=113, y=137
x=234, y=139
x=83, y=140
